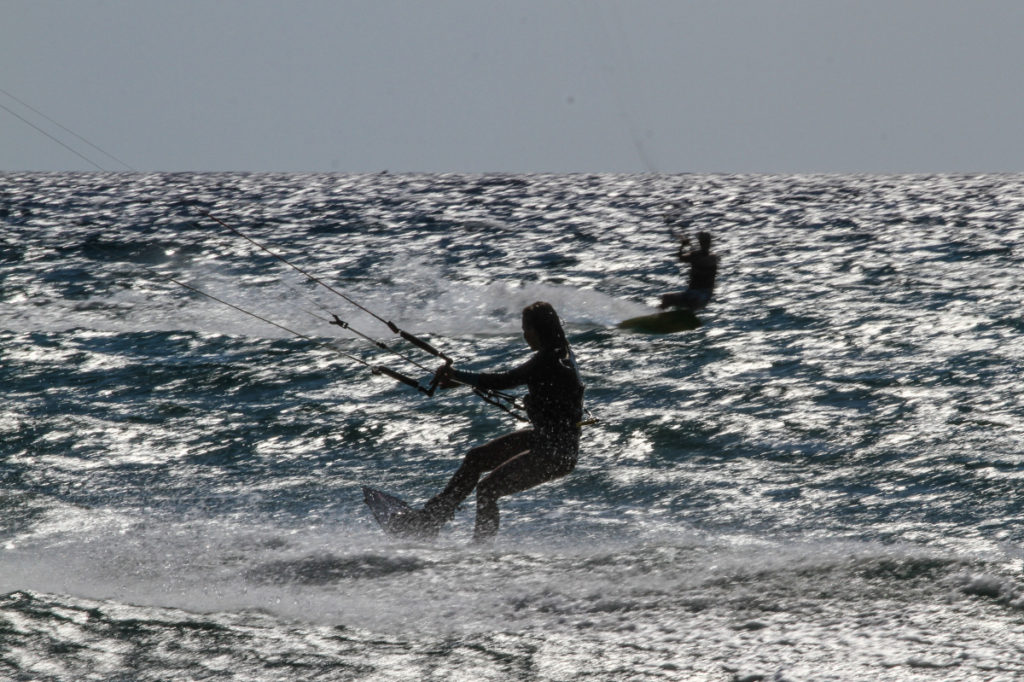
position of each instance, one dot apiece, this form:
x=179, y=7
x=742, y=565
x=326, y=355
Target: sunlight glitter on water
x=831, y=457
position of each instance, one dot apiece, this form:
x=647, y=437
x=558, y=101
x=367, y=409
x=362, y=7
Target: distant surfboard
x=383, y=506
x=667, y=322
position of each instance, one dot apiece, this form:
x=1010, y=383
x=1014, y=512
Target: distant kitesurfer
x=522, y=459
x=703, y=269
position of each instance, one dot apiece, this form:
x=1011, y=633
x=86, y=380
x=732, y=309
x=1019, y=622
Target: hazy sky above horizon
x=523, y=86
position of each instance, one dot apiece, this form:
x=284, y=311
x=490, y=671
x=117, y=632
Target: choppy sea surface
x=821, y=482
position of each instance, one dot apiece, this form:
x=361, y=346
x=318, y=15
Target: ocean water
x=821, y=482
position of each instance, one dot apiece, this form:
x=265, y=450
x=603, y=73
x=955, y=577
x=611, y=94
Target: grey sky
x=517, y=85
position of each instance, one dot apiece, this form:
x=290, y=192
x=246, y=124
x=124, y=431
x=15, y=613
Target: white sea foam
x=423, y=302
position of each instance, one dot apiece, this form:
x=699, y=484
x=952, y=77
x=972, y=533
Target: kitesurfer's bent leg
x=477, y=461
x=522, y=472
x=425, y=523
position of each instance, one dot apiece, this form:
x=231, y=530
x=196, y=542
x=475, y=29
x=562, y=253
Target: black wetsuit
x=703, y=270
x=554, y=404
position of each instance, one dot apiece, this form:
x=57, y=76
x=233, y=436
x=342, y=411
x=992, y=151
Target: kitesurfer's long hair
x=544, y=320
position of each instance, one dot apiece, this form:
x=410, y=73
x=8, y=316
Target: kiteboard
x=383, y=506
x=667, y=322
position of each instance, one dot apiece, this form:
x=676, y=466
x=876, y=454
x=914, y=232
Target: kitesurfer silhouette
x=703, y=270
x=522, y=459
